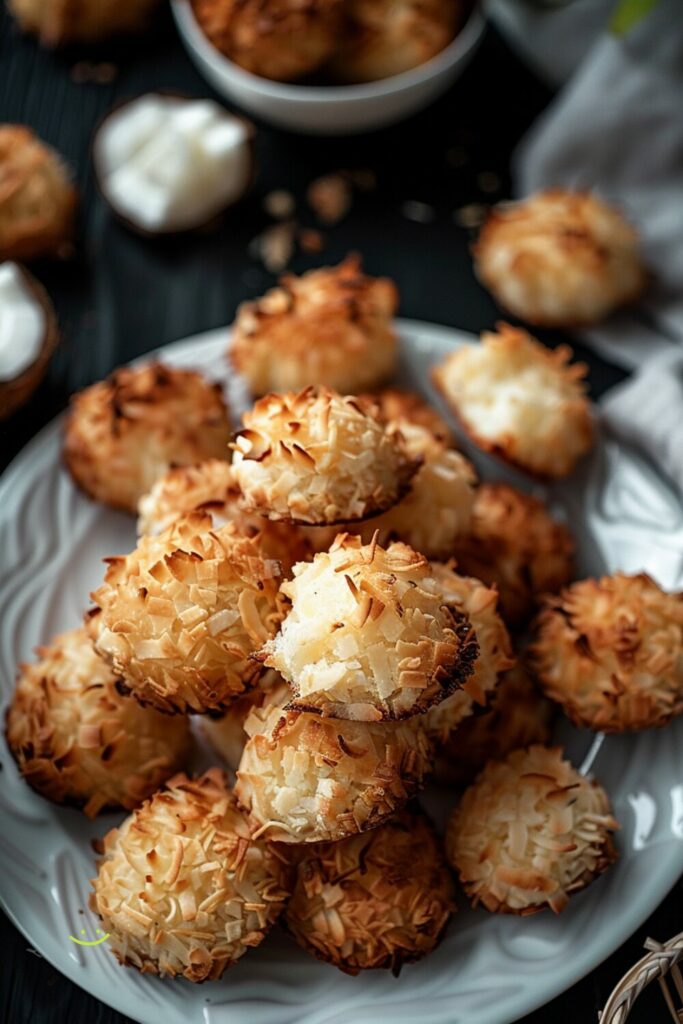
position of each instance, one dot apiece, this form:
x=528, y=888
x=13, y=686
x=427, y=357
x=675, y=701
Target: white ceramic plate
x=488, y=970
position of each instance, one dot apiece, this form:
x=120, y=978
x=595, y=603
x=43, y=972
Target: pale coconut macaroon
x=125, y=432
x=37, y=198
x=610, y=651
x=387, y=37
x=515, y=545
x=78, y=741
x=369, y=635
x=306, y=779
x=332, y=326
x=184, y=612
x=530, y=832
x=437, y=510
x=380, y=900
x=479, y=603
x=182, y=888
x=519, y=716
x=59, y=22
x=520, y=401
x=225, y=733
x=559, y=258
x=279, y=39
x=210, y=486
x=319, y=458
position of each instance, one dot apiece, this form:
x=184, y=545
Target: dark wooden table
x=122, y=296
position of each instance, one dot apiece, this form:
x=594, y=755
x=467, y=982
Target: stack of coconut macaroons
x=338, y=607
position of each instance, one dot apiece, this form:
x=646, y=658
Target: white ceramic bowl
x=329, y=110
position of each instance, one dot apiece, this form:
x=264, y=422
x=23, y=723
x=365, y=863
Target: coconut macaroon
x=386, y=37
x=529, y=832
x=305, y=779
x=479, y=603
x=124, y=432
x=183, y=889
x=519, y=716
x=332, y=326
x=370, y=901
x=279, y=39
x=397, y=408
x=78, y=741
x=182, y=615
x=57, y=22
x=226, y=733
x=37, y=199
x=559, y=258
x=369, y=635
x=210, y=486
x=515, y=545
x=610, y=651
x=318, y=458
x=520, y=401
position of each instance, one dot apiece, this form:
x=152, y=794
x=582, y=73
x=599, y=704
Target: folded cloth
x=616, y=127
x=647, y=411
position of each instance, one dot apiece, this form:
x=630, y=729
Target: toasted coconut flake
x=37, y=200
x=182, y=615
x=397, y=408
x=386, y=37
x=369, y=635
x=516, y=546
x=479, y=603
x=305, y=779
x=77, y=740
x=211, y=486
x=279, y=39
x=226, y=734
x=191, y=903
x=125, y=432
x=520, y=401
x=369, y=901
x=331, y=326
x=530, y=832
x=559, y=258
x=610, y=651
x=318, y=458
x=81, y=21
x=518, y=717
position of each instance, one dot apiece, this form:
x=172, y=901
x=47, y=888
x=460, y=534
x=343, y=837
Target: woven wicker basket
x=660, y=964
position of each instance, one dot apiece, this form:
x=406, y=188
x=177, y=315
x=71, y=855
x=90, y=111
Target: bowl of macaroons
x=340, y=66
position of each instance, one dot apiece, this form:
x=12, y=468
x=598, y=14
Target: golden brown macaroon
x=520, y=401
x=57, y=22
x=377, y=900
x=318, y=458
x=183, y=889
x=210, y=486
x=559, y=258
x=479, y=603
x=529, y=832
x=124, y=432
x=437, y=510
x=182, y=615
x=279, y=39
x=515, y=545
x=610, y=651
x=78, y=741
x=397, y=408
x=305, y=779
x=226, y=733
x=369, y=635
x=386, y=37
x=332, y=326
x=37, y=199
x=519, y=716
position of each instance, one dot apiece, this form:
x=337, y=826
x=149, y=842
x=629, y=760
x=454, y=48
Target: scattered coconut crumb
x=279, y=204
x=329, y=197
x=421, y=213
x=275, y=246
x=472, y=215
x=311, y=240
